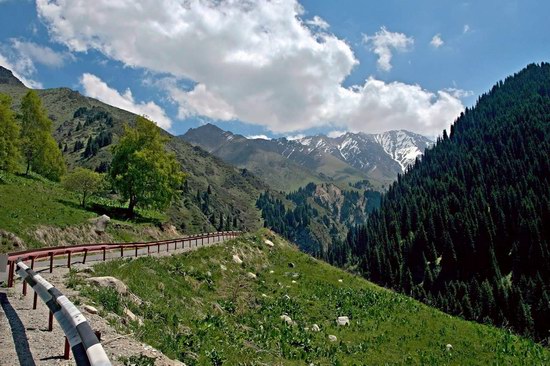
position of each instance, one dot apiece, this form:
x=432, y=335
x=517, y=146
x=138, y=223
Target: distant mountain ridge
x=350, y=157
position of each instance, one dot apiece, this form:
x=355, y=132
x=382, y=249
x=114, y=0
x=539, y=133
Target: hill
x=86, y=129
x=203, y=308
x=466, y=229
x=289, y=164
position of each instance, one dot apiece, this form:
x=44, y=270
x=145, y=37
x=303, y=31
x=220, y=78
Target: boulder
x=315, y=328
x=90, y=309
x=237, y=259
x=342, y=320
x=100, y=223
x=448, y=347
x=109, y=281
x=269, y=243
x=287, y=319
x=251, y=275
x=131, y=316
x=332, y=338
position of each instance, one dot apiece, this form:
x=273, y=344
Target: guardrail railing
x=104, y=248
x=87, y=349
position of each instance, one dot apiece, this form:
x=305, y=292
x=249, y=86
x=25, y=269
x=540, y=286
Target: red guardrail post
x=121, y=251
x=51, y=262
x=10, y=274
x=67, y=349
x=148, y=249
x=104, y=254
x=69, y=259
x=136, y=249
x=50, y=321
x=85, y=255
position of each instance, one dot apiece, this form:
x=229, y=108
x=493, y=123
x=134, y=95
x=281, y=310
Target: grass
x=28, y=202
x=202, y=314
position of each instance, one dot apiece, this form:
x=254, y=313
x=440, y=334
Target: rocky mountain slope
x=86, y=128
x=345, y=159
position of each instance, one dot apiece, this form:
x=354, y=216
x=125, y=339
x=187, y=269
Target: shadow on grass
x=118, y=213
x=30, y=176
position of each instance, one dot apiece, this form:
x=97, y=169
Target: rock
x=6, y=236
x=251, y=275
x=217, y=308
x=131, y=316
x=291, y=265
x=293, y=281
x=100, y=223
x=340, y=280
x=332, y=338
x=272, y=271
x=264, y=295
x=342, y=320
x=269, y=243
x=209, y=274
x=449, y=347
x=315, y=328
x=286, y=297
x=223, y=268
x=90, y=309
x=287, y=319
x=109, y=281
x=237, y=259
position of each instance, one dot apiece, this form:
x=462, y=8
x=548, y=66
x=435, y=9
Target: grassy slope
x=184, y=295
x=27, y=203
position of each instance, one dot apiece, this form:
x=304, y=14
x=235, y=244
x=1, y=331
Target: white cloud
x=466, y=29
x=19, y=70
x=384, y=42
x=96, y=88
x=36, y=53
x=437, y=41
x=334, y=134
x=262, y=137
x=255, y=61
x=318, y=22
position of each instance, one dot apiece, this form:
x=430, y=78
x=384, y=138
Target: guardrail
x=87, y=349
x=104, y=248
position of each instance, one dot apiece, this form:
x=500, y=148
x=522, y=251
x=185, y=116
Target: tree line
x=141, y=171
x=466, y=228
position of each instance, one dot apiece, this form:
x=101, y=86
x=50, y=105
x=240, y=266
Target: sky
x=277, y=68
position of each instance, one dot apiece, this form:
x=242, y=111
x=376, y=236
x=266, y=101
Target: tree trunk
x=28, y=167
x=131, y=206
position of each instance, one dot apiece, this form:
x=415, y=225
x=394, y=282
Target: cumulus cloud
x=384, y=42
x=437, y=41
x=295, y=137
x=19, y=69
x=255, y=61
x=96, y=88
x=466, y=29
x=36, y=53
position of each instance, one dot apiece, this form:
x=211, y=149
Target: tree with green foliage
x=9, y=136
x=40, y=150
x=83, y=181
x=142, y=171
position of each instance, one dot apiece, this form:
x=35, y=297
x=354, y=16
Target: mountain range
x=286, y=164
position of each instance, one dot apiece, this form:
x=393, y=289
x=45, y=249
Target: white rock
x=251, y=275
x=315, y=328
x=342, y=320
x=272, y=271
x=237, y=259
x=131, y=316
x=223, y=268
x=449, y=347
x=100, y=223
x=287, y=319
x=286, y=297
x=332, y=338
x=293, y=281
x=340, y=280
x=109, y=281
x=264, y=295
x=90, y=309
x=269, y=243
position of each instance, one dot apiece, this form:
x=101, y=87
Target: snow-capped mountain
x=378, y=158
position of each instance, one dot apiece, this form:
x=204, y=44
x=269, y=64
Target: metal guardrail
x=84, y=343
x=103, y=248
x=87, y=349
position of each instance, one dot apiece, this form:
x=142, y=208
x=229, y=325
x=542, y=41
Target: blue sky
x=277, y=69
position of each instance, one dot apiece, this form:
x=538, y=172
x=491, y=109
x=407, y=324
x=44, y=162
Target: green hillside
x=204, y=309
x=86, y=129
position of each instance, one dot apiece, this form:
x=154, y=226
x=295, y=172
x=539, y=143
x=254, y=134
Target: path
x=24, y=338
